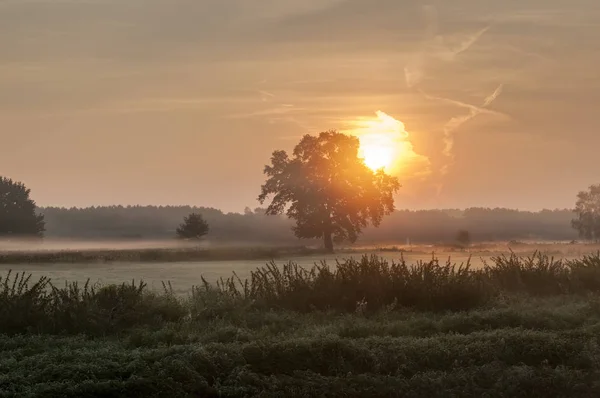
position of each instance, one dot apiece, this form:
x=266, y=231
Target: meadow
x=516, y=326
x=184, y=266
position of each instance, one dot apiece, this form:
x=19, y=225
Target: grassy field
x=185, y=267
x=519, y=327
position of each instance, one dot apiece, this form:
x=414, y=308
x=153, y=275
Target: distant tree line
x=308, y=218
x=255, y=227
x=162, y=222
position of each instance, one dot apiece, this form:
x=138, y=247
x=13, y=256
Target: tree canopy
x=327, y=189
x=193, y=227
x=18, y=216
x=587, y=210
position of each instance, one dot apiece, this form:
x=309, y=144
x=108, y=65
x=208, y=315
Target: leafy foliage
x=587, y=210
x=17, y=211
x=327, y=189
x=194, y=227
x=522, y=349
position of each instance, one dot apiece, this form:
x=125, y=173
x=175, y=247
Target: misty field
x=184, y=274
x=518, y=326
x=108, y=263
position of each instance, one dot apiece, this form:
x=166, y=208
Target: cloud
x=265, y=95
x=436, y=47
x=456, y=122
x=437, y=51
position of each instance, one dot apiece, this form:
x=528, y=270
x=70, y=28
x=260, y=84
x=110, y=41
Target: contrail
x=457, y=121
x=494, y=95
x=469, y=41
x=414, y=69
x=469, y=106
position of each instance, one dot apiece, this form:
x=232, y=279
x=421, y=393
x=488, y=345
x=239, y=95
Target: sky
x=183, y=101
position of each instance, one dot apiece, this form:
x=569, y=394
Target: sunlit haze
x=385, y=143
x=469, y=102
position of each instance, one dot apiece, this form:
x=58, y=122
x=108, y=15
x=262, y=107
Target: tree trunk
x=328, y=241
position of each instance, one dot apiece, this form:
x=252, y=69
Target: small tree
x=464, y=238
x=327, y=188
x=587, y=210
x=193, y=227
x=17, y=211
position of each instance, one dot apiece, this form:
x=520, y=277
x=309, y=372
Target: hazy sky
x=183, y=101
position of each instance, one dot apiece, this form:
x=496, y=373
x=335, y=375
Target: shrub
x=43, y=308
x=371, y=283
x=536, y=275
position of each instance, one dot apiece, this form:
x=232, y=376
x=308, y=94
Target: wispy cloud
x=456, y=122
x=277, y=110
x=265, y=95
x=435, y=48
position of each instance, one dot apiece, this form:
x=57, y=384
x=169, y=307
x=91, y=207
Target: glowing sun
x=376, y=151
x=385, y=143
x=381, y=141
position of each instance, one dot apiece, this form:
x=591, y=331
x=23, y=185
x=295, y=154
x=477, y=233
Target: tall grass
x=368, y=285
x=41, y=307
x=543, y=275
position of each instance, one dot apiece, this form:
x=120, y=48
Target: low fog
x=16, y=245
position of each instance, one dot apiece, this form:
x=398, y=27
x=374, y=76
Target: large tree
x=587, y=210
x=18, y=216
x=327, y=189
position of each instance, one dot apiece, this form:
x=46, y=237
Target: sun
x=385, y=144
x=381, y=141
x=376, y=151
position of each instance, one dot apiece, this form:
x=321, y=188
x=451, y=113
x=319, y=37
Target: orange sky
x=182, y=101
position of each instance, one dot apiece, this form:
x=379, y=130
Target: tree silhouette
x=587, y=210
x=463, y=237
x=327, y=189
x=17, y=211
x=193, y=227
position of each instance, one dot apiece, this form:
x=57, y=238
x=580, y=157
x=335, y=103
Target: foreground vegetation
x=542, y=348
x=518, y=327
